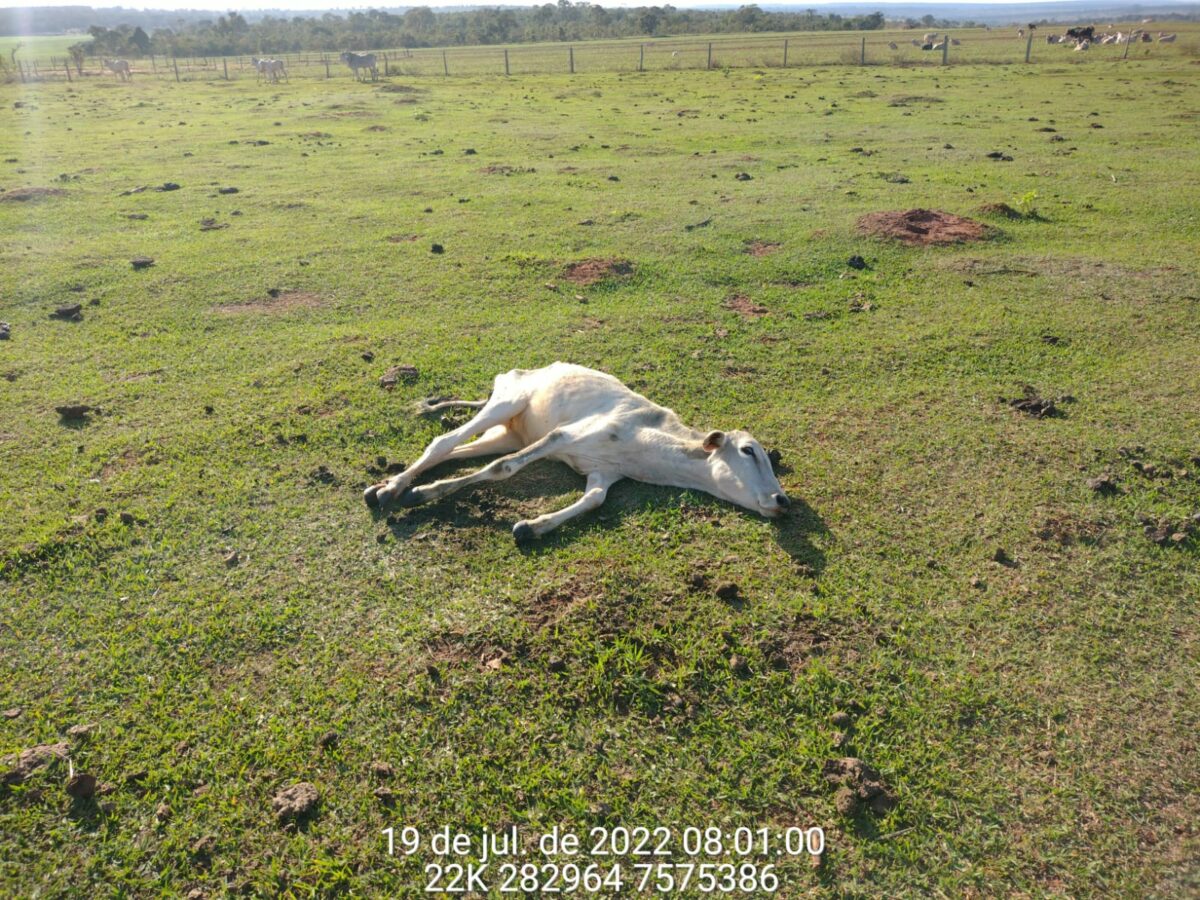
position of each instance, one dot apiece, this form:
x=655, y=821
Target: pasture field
x=190, y=570
x=39, y=46
x=1000, y=46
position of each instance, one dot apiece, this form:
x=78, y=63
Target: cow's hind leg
x=593, y=496
x=496, y=412
x=497, y=470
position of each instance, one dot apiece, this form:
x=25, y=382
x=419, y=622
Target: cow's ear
x=714, y=440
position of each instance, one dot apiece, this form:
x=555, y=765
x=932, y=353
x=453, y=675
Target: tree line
x=233, y=34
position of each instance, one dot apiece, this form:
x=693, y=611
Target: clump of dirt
x=745, y=307
x=506, y=170
x=1032, y=404
x=762, y=248
x=1169, y=532
x=1003, y=210
x=400, y=89
x=859, y=786
x=141, y=262
x=73, y=313
x=922, y=226
x=406, y=373
x=75, y=412
x=792, y=646
x=592, y=271
x=552, y=604
x=82, y=786
x=295, y=803
x=1105, y=483
x=376, y=128
x=276, y=301
x=29, y=761
x=912, y=99
x=23, y=195
x=1066, y=529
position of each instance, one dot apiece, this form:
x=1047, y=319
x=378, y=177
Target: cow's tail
x=437, y=404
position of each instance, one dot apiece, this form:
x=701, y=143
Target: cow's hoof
x=523, y=533
x=371, y=496
x=409, y=498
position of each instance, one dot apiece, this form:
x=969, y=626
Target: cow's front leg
x=593, y=496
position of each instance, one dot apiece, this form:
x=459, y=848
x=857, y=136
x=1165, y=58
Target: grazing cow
x=1166, y=38
x=120, y=68
x=359, y=61
x=1081, y=33
x=275, y=69
x=598, y=427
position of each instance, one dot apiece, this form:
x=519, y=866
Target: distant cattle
x=1080, y=33
x=930, y=37
x=360, y=61
x=892, y=45
x=120, y=68
x=1083, y=45
x=1053, y=38
x=954, y=42
x=1166, y=38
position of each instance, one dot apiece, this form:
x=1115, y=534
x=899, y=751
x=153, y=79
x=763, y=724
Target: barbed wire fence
x=799, y=50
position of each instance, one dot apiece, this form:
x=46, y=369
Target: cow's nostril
x=783, y=501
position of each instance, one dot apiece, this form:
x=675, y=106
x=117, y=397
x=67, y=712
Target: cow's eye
x=748, y=450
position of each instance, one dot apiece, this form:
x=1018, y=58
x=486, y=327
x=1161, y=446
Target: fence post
x=862, y=59
x=325, y=59
x=571, y=58
x=642, y=58
x=153, y=64
x=1028, y=46
x=225, y=63
x=505, y=60
x=67, y=66
x=175, y=60
x=445, y=65
x=945, y=48
x=387, y=71
x=785, y=49
x=709, y=64
x=1128, y=41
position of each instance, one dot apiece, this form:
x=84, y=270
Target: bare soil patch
x=277, y=302
x=762, y=248
x=592, y=271
x=505, y=170
x=745, y=307
x=922, y=227
x=791, y=647
x=23, y=195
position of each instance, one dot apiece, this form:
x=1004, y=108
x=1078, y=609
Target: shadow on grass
x=498, y=506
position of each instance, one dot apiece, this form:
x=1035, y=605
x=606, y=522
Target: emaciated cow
x=601, y=429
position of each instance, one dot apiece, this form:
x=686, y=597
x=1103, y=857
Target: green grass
x=40, y=46
x=1037, y=722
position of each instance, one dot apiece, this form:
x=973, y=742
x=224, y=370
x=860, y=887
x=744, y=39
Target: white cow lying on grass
x=598, y=427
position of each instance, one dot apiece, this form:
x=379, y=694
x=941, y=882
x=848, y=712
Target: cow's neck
x=680, y=461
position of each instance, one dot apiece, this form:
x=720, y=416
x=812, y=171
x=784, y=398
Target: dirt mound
x=745, y=307
x=859, y=786
x=922, y=226
x=22, y=195
x=762, y=248
x=999, y=209
x=591, y=271
x=505, y=170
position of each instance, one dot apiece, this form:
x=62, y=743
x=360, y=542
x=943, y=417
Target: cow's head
x=742, y=473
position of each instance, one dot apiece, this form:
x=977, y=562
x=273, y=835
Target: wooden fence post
x=153, y=64
x=571, y=59
x=326, y=60
x=175, y=60
x=67, y=66
x=445, y=65
x=709, y=64
x=862, y=59
x=386, y=68
x=642, y=58
x=785, y=49
x=225, y=64
x=1128, y=41
x=946, y=48
x=505, y=60
x=1028, y=46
